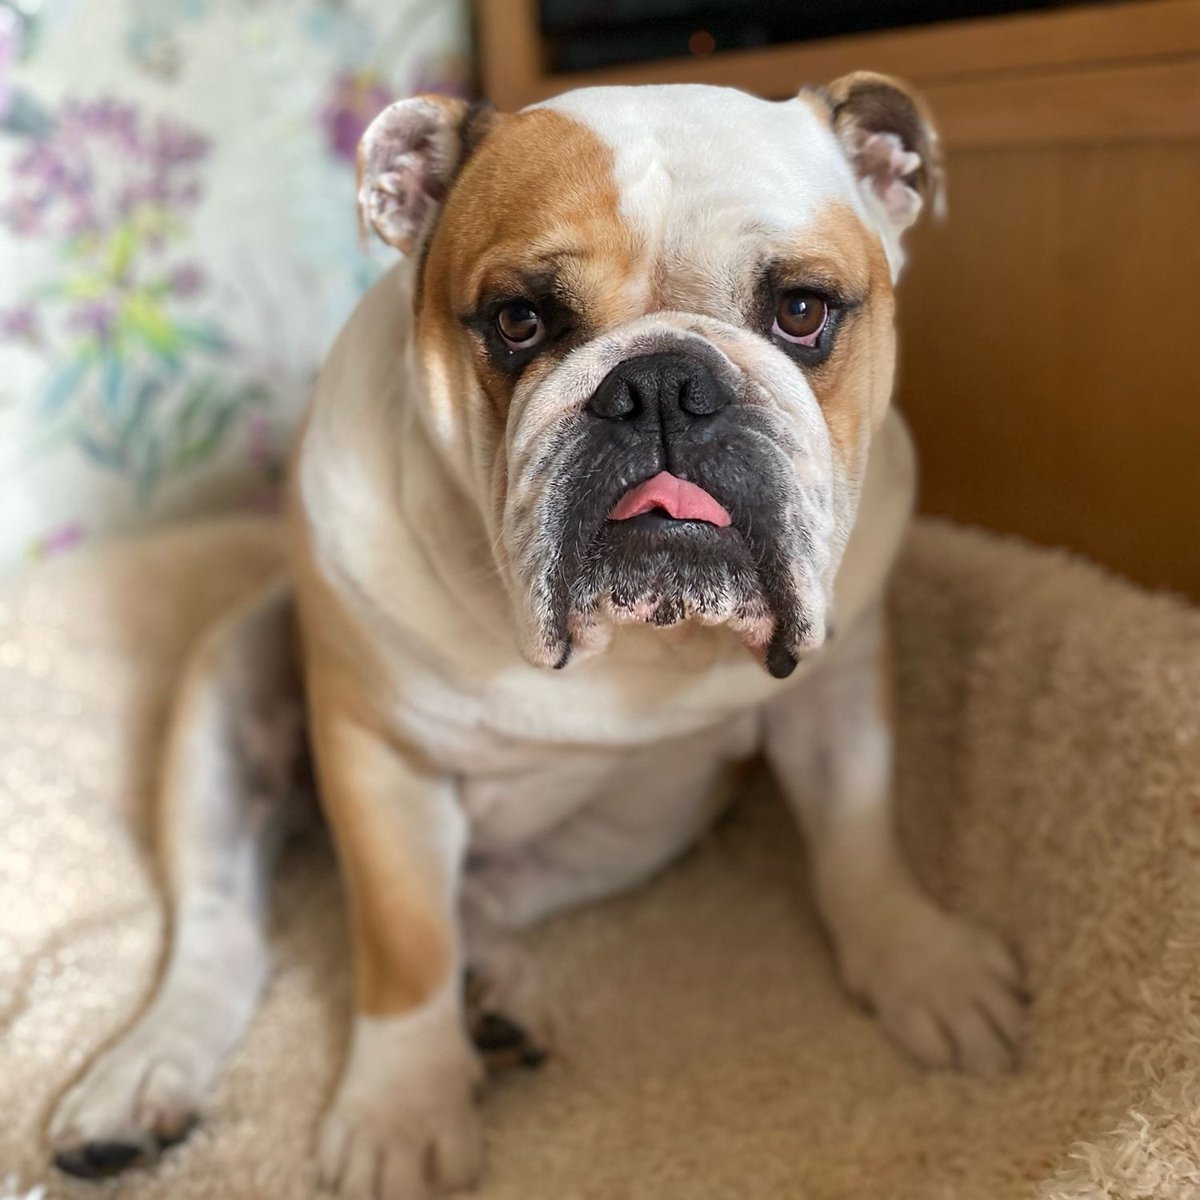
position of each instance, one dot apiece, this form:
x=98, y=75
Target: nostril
x=615, y=400
x=703, y=405
x=700, y=395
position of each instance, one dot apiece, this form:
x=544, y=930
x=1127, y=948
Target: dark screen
x=587, y=34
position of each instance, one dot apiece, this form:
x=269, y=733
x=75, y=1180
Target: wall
x=1051, y=351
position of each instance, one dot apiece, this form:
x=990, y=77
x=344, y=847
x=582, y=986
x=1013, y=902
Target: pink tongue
x=680, y=499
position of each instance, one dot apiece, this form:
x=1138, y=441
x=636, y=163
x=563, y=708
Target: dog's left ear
x=891, y=144
x=407, y=160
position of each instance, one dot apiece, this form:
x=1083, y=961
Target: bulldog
x=597, y=496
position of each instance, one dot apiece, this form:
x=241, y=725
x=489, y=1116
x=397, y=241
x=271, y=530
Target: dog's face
x=654, y=329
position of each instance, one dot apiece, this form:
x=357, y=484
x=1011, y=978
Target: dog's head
x=654, y=328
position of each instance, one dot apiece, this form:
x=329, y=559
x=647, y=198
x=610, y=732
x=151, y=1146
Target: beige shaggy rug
x=1049, y=784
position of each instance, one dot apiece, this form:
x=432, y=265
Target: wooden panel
x=930, y=55
x=510, y=51
x=1154, y=101
x=1050, y=352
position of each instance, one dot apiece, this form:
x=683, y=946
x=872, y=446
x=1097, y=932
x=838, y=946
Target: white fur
x=403, y=1119
x=700, y=169
x=943, y=990
x=739, y=154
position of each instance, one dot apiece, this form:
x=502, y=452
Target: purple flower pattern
x=354, y=99
x=112, y=190
x=20, y=324
x=135, y=375
x=101, y=166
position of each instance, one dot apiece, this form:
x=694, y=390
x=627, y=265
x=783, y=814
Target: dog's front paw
x=948, y=994
x=383, y=1148
x=403, y=1125
x=139, y=1097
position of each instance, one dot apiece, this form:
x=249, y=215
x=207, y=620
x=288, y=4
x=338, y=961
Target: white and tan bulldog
x=588, y=483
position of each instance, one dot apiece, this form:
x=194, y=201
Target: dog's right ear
x=407, y=160
x=891, y=143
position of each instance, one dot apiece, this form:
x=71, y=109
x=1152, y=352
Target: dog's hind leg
x=232, y=763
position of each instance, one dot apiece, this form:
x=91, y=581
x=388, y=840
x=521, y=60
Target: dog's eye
x=520, y=325
x=800, y=317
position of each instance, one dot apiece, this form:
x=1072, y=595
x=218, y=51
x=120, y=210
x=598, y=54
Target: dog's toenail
x=96, y=1159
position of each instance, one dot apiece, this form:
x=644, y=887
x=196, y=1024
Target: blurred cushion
x=178, y=240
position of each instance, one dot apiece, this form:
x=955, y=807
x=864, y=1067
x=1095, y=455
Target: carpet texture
x=1049, y=782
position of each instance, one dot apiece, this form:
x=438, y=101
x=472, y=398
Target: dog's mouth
x=708, y=529
x=664, y=535
x=670, y=551
x=669, y=497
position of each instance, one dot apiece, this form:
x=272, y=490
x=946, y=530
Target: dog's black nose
x=667, y=387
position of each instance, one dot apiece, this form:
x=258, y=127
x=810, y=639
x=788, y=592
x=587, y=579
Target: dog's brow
x=551, y=262
x=510, y=272
x=566, y=252
x=830, y=272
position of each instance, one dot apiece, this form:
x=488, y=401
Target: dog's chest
x=513, y=790
x=532, y=793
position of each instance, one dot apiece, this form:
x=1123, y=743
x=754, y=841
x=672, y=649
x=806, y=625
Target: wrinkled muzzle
x=673, y=470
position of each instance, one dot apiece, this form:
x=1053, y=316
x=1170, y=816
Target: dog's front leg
x=946, y=992
x=403, y=1121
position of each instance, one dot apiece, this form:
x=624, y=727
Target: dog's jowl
x=590, y=480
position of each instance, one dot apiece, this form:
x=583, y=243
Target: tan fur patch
x=538, y=191
x=820, y=101
x=853, y=385
x=400, y=928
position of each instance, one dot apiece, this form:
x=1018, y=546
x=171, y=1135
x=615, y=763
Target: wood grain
x=1050, y=352
x=1144, y=101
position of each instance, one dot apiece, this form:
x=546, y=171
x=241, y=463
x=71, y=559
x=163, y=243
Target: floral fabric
x=178, y=241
